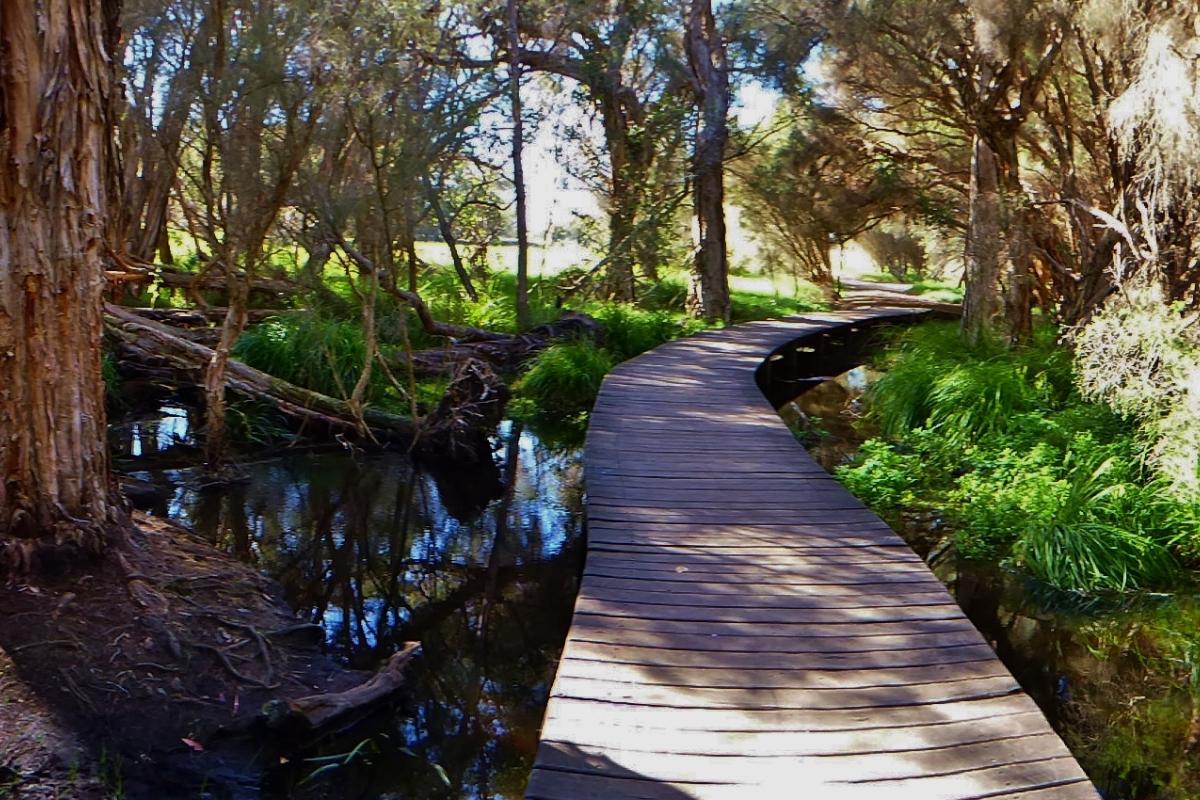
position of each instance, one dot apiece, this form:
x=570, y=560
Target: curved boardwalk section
x=747, y=629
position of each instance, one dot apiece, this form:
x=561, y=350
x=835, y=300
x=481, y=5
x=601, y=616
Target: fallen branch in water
x=319, y=710
x=472, y=407
x=155, y=344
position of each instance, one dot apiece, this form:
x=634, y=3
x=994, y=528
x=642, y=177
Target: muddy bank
x=144, y=673
x=478, y=564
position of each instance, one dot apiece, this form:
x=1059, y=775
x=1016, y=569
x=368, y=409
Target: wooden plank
x=655, y=655
x=594, y=731
x=712, y=643
x=599, y=599
x=723, y=678
x=1020, y=760
x=646, y=589
x=769, y=559
x=903, y=722
x=772, y=622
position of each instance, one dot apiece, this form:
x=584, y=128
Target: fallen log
x=202, y=317
x=505, y=351
x=160, y=347
x=318, y=711
x=471, y=408
x=213, y=279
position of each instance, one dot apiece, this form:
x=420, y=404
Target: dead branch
x=319, y=710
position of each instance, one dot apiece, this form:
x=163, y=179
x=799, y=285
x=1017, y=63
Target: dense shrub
x=563, y=378
x=630, y=331
x=325, y=355
x=1000, y=445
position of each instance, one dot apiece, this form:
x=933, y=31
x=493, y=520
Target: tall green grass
x=562, y=379
x=630, y=331
x=999, y=446
x=935, y=379
x=309, y=350
x=1086, y=548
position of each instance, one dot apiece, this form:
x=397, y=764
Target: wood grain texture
x=746, y=628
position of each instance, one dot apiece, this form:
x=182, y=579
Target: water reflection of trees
x=481, y=567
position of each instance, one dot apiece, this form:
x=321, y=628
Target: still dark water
x=480, y=566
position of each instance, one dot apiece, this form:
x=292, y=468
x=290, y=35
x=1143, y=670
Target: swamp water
x=481, y=566
x=1117, y=678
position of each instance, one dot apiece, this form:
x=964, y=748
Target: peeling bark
x=980, y=300
x=55, y=93
x=708, y=294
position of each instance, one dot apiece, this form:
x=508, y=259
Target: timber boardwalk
x=746, y=629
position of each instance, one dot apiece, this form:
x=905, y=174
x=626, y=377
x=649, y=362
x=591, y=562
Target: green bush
x=882, y=477
x=934, y=378
x=990, y=505
x=325, y=355
x=630, y=331
x=999, y=445
x=563, y=378
x=669, y=294
x=496, y=307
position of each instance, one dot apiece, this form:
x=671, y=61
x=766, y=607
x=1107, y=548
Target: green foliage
x=1084, y=547
x=669, y=294
x=496, y=307
x=630, y=331
x=563, y=378
x=1011, y=492
x=999, y=445
x=256, y=423
x=883, y=477
x=112, y=379
x=935, y=380
x=318, y=353
x=1140, y=355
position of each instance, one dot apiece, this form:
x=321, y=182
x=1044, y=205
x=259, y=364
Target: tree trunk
x=622, y=212
x=708, y=295
x=999, y=276
x=1018, y=245
x=981, y=302
x=518, y=135
x=216, y=446
x=447, y=232
x=55, y=86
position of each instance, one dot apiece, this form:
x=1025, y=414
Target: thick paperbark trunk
x=622, y=212
x=518, y=144
x=1015, y=224
x=999, y=275
x=708, y=295
x=55, y=86
x=981, y=302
